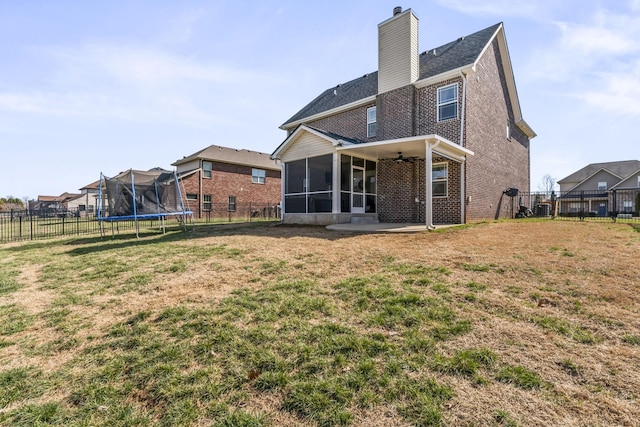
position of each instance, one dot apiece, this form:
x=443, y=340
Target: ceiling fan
x=403, y=159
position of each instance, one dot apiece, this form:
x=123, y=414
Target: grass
x=262, y=325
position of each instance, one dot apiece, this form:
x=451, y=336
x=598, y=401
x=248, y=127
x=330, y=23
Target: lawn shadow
x=175, y=234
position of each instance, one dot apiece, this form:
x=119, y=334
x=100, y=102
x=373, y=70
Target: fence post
x=250, y=212
x=31, y=223
x=614, y=211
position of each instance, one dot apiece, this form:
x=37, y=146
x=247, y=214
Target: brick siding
x=231, y=180
x=400, y=184
x=498, y=162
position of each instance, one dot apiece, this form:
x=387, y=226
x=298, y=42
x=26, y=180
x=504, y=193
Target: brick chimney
x=398, y=50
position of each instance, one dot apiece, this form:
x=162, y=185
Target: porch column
x=282, y=188
x=428, y=200
x=335, y=186
x=462, y=193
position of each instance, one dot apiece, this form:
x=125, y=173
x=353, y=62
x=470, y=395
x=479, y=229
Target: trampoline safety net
x=139, y=194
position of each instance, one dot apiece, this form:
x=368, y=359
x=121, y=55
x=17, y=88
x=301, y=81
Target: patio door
x=357, y=190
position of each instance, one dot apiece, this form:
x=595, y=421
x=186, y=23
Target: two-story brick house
x=602, y=189
x=431, y=137
x=220, y=176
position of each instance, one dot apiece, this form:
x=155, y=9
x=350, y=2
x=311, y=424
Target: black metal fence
x=44, y=224
x=240, y=212
x=612, y=205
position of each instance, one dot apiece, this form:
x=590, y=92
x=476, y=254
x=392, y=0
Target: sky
x=105, y=86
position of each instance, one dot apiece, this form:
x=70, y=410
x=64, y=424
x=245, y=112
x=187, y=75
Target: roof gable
x=632, y=181
x=235, y=156
x=434, y=65
x=588, y=183
x=621, y=169
x=306, y=136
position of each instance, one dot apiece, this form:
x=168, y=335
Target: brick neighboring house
x=602, y=189
x=432, y=137
x=220, y=176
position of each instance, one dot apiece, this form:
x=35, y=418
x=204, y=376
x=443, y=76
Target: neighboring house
x=602, y=189
x=90, y=193
x=55, y=205
x=221, y=176
x=433, y=137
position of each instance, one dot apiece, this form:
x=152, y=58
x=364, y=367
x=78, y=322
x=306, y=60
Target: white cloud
x=619, y=92
x=100, y=81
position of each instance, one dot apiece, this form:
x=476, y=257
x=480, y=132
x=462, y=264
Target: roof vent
x=397, y=10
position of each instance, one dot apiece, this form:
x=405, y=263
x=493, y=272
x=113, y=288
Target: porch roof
x=413, y=146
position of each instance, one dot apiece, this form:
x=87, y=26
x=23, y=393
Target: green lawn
x=259, y=325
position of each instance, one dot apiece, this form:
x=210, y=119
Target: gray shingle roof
x=453, y=55
x=623, y=169
x=232, y=155
x=336, y=136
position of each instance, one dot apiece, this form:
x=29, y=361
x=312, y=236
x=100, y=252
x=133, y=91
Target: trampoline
x=139, y=196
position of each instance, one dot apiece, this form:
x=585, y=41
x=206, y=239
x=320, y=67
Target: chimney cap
x=397, y=10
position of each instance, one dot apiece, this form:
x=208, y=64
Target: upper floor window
x=638, y=181
x=508, y=129
x=371, y=121
x=258, y=176
x=207, y=167
x=602, y=185
x=439, y=179
x=448, y=102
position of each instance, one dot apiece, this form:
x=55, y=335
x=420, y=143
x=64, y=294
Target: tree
x=547, y=184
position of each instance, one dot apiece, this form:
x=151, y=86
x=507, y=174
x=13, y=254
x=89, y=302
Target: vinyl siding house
x=229, y=177
x=433, y=137
x=602, y=189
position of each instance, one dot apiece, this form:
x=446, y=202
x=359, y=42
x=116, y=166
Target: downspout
x=463, y=180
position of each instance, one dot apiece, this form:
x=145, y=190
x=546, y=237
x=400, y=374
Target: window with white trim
x=638, y=181
x=448, y=102
x=232, y=204
x=602, y=185
x=258, y=176
x=439, y=179
x=192, y=196
x=508, y=129
x=206, y=202
x=371, y=122
x=207, y=167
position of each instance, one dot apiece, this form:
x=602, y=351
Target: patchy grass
x=263, y=325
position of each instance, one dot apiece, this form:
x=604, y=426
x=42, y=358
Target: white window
x=508, y=129
x=207, y=167
x=371, y=122
x=206, y=202
x=258, y=176
x=232, y=203
x=192, y=196
x=448, y=102
x=439, y=179
x=627, y=205
x=602, y=185
x=638, y=181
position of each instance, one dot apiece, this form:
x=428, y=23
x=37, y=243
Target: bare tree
x=547, y=184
